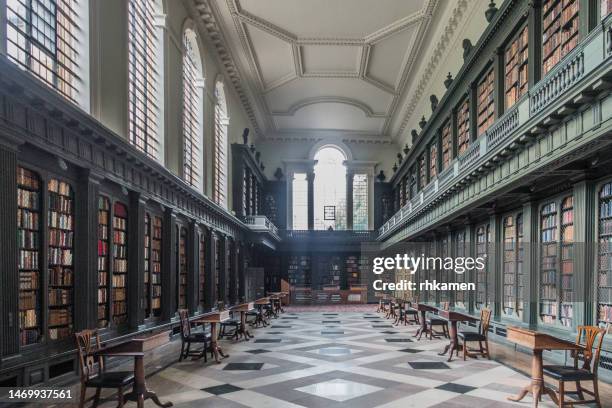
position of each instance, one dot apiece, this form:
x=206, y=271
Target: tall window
x=360, y=201
x=41, y=39
x=220, y=147
x=143, y=83
x=330, y=189
x=300, y=201
x=192, y=110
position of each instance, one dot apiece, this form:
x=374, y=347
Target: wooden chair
x=438, y=321
x=576, y=374
x=93, y=373
x=411, y=315
x=482, y=335
x=188, y=337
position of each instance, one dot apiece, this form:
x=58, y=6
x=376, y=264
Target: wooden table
x=136, y=348
x=276, y=301
x=214, y=318
x=537, y=342
x=423, y=309
x=243, y=309
x=453, y=317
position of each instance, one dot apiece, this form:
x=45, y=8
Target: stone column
x=349, y=199
x=310, y=178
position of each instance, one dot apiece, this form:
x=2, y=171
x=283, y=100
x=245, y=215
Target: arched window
x=330, y=189
x=220, y=147
x=192, y=110
x=143, y=77
x=42, y=39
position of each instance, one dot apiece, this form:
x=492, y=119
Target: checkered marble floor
x=338, y=359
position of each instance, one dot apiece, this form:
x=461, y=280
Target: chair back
x=88, y=342
x=485, y=321
x=445, y=306
x=185, y=323
x=593, y=338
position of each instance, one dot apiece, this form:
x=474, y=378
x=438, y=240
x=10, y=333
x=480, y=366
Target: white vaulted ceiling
x=311, y=67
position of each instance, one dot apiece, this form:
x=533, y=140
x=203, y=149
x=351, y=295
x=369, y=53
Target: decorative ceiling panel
x=336, y=65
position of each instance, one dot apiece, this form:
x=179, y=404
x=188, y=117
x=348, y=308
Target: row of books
x=605, y=313
x=59, y=317
x=59, y=187
x=119, y=237
x=28, y=301
x=102, y=296
x=59, y=333
x=119, y=280
x=120, y=223
x=60, y=297
x=103, y=232
x=60, y=277
x=28, y=318
x=60, y=238
x=27, y=179
x=119, y=251
x=28, y=336
x=28, y=199
x=27, y=219
x=60, y=220
x=119, y=308
x=28, y=280
x=59, y=203
x=463, y=127
x=119, y=294
x=60, y=256
x=119, y=265
x=28, y=259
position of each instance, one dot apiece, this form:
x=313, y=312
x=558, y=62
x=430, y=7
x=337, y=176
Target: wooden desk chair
x=228, y=328
x=440, y=322
x=188, y=337
x=411, y=315
x=482, y=335
x=588, y=371
x=93, y=373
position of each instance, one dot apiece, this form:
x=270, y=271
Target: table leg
x=217, y=351
x=537, y=387
x=423, y=328
x=139, y=391
x=454, y=341
x=243, y=324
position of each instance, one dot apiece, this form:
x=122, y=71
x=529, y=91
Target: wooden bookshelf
x=422, y=172
x=560, y=30
x=103, y=255
x=520, y=278
x=352, y=270
x=29, y=242
x=299, y=272
x=567, y=262
x=485, y=102
x=147, y=265
x=217, y=275
x=549, y=258
x=182, y=268
x=463, y=126
x=444, y=275
x=516, y=67
x=447, y=145
x=483, y=239
x=202, y=268
x=330, y=271
x=461, y=296
x=509, y=265
x=61, y=272
x=120, y=263
x=604, y=276
x=156, y=259
x=433, y=160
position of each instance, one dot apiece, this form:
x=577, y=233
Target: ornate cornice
x=440, y=48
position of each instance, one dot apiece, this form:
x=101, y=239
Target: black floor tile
x=268, y=340
x=243, y=366
x=429, y=365
x=382, y=326
x=409, y=350
x=389, y=332
x=458, y=388
x=331, y=322
x=222, y=389
x=398, y=340
x=258, y=351
x=332, y=332
x=276, y=326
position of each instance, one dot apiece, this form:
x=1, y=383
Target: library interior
x=192, y=194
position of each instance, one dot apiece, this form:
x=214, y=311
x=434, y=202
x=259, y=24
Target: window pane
x=40, y=39
x=360, y=202
x=192, y=139
x=330, y=189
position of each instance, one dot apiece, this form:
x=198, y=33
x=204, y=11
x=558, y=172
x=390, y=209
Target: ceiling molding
x=457, y=15
x=330, y=99
x=208, y=24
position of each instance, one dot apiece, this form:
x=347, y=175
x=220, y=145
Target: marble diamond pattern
x=363, y=367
